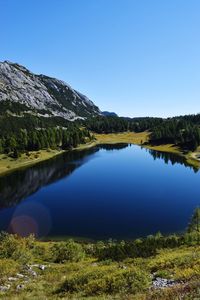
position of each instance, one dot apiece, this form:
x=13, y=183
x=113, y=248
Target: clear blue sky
x=134, y=57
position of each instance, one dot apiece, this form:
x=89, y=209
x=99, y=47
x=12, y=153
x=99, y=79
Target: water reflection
x=172, y=158
x=119, y=194
x=22, y=183
x=110, y=147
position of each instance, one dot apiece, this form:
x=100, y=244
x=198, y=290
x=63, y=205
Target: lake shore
x=8, y=164
x=142, y=138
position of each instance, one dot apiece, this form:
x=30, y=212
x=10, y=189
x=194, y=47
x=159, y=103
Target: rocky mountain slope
x=22, y=92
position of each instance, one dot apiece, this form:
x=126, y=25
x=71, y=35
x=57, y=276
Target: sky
x=133, y=57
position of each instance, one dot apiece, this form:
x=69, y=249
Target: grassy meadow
x=124, y=137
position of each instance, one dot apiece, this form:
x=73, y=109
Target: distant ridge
x=109, y=114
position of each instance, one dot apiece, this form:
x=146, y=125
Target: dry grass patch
x=125, y=137
x=8, y=164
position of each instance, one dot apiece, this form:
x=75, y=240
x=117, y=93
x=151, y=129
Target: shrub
x=67, y=251
x=107, y=281
x=15, y=247
x=8, y=267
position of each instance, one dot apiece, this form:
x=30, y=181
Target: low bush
x=67, y=251
x=16, y=248
x=8, y=267
x=107, y=280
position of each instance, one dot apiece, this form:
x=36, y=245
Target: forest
x=32, y=133
x=20, y=135
x=183, y=131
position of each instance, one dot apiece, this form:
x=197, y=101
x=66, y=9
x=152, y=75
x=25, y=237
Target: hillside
x=25, y=93
x=155, y=268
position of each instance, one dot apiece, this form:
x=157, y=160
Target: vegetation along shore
x=152, y=268
x=9, y=163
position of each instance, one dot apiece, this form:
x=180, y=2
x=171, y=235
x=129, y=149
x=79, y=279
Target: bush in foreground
x=107, y=280
x=16, y=248
x=67, y=251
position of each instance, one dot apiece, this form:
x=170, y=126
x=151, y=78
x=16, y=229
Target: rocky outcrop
x=22, y=92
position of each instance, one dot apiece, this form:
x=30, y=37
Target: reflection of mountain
x=171, y=157
x=21, y=184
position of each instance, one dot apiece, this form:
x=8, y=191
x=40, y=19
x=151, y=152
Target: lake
x=110, y=191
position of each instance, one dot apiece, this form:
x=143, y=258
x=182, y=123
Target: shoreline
x=191, y=158
x=141, y=139
x=8, y=165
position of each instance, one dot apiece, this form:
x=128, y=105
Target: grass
x=8, y=164
x=193, y=158
x=98, y=280
x=169, y=148
x=125, y=137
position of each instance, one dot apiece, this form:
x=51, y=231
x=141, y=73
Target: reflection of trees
x=172, y=158
x=22, y=183
x=113, y=146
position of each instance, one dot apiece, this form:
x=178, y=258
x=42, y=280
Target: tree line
x=112, y=124
x=177, y=131
x=33, y=140
x=183, y=131
x=31, y=132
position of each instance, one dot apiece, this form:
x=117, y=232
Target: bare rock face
x=41, y=95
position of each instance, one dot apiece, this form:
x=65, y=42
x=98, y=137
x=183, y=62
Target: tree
x=16, y=153
x=1, y=146
x=194, y=225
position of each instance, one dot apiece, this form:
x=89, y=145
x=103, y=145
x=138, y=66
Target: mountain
x=109, y=114
x=25, y=93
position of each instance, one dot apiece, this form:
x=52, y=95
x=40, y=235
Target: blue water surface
x=119, y=191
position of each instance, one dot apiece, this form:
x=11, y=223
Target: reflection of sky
x=123, y=193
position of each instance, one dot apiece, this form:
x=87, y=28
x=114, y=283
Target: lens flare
x=23, y=226
x=31, y=218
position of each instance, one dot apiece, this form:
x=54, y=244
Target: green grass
x=91, y=278
x=102, y=280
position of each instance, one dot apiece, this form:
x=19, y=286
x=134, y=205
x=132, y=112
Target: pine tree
x=194, y=225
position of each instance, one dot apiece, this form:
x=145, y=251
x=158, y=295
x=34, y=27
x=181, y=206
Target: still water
x=120, y=191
